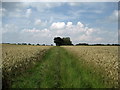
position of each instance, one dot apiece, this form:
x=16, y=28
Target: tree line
x=29, y=44
x=64, y=41
x=86, y=44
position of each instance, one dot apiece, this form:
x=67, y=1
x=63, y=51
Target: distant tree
x=58, y=41
x=13, y=43
x=66, y=41
x=43, y=44
x=38, y=44
x=115, y=44
x=62, y=41
x=19, y=43
x=29, y=44
x=24, y=43
x=82, y=44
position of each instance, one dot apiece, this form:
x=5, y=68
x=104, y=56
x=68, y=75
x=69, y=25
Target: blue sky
x=90, y=22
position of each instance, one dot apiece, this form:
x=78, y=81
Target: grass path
x=58, y=69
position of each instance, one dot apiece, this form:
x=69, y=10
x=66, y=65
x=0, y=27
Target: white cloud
x=77, y=32
x=58, y=25
x=69, y=24
x=80, y=24
x=46, y=24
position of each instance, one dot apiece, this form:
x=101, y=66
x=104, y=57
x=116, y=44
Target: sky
x=40, y=22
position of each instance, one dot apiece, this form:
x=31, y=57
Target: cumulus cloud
x=58, y=25
x=43, y=23
x=69, y=24
x=77, y=32
x=80, y=24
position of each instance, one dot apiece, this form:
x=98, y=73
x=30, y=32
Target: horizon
x=83, y=22
x=21, y=43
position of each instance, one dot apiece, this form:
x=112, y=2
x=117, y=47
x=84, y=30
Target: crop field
x=14, y=55
x=19, y=57
x=101, y=58
x=27, y=66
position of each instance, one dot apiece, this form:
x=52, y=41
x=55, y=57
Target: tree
x=29, y=44
x=82, y=44
x=66, y=41
x=58, y=41
x=43, y=44
x=24, y=43
x=62, y=41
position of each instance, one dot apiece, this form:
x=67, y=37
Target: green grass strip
x=58, y=69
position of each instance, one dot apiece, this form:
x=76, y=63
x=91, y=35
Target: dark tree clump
x=66, y=41
x=62, y=41
x=58, y=41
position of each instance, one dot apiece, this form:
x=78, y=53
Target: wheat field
x=102, y=58
x=90, y=62
x=15, y=56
